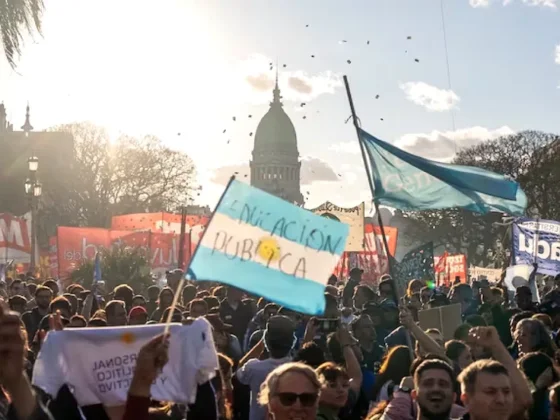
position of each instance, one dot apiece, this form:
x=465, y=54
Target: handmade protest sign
x=98, y=363
x=416, y=264
x=352, y=216
x=269, y=247
x=542, y=234
x=490, y=274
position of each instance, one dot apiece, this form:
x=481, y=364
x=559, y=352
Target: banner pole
x=188, y=268
x=376, y=204
x=371, y=187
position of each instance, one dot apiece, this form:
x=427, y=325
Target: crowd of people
x=366, y=357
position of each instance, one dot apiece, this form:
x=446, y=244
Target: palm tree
x=17, y=19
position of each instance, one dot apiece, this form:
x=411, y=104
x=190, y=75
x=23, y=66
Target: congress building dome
x=275, y=165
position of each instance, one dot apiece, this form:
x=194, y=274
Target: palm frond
x=17, y=19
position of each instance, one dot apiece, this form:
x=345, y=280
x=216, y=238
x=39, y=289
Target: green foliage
x=119, y=265
x=18, y=18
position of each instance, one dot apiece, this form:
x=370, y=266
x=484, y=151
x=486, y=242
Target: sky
x=184, y=69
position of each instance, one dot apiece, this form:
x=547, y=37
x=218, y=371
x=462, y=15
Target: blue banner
x=546, y=235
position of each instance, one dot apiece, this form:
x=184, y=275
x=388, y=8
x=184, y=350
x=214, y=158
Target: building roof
x=275, y=132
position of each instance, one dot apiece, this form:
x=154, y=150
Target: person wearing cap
x=348, y=293
x=278, y=341
x=137, y=316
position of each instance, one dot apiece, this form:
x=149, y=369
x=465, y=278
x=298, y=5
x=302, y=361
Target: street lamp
x=28, y=186
x=37, y=190
x=33, y=162
x=33, y=190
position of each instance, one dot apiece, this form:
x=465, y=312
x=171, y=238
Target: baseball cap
x=137, y=310
x=280, y=331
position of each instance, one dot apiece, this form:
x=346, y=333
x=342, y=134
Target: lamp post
x=33, y=190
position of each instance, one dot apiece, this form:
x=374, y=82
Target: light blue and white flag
x=269, y=247
x=408, y=182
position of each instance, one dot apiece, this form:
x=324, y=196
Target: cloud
x=441, y=146
x=430, y=97
x=479, y=3
x=312, y=170
x=351, y=147
x=261, y=82
x=557, y=54
x=255, y=79
x=222, y=175
x=552, y=4
x=543, y=3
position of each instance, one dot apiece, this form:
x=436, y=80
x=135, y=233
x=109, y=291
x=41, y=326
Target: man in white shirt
x=278, y=340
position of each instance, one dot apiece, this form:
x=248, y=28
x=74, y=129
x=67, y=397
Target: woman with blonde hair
x=291, y=391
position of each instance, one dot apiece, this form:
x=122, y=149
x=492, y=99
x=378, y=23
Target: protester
x=278, y=341
x=505, y=356
x=291, y=392
x=24, y=403
x=434, y=389
x=165, y=299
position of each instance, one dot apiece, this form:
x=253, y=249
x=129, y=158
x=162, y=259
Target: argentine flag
x=269, y=247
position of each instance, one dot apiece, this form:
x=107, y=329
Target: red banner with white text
x=15, y=239
x=74, y=245
x=447, y=267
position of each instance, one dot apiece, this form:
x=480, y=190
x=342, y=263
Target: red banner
x=15, y=239
x=78, y=244
x=161, y=222
x=374, y=260
x=374, y=266
x=374, y=238
x=447, y=267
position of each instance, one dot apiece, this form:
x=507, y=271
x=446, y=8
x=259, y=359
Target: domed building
x=275, y=166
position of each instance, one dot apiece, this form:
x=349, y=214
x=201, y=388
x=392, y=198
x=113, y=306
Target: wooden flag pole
x=376, y=204
x=371, y=187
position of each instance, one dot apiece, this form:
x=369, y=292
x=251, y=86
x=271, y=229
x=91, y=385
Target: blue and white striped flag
x=269, y=247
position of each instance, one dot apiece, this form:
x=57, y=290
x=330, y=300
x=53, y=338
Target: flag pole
x=376, y=204
x=370, y=181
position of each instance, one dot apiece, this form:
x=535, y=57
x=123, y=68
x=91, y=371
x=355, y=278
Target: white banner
x=353, y=216
x=98, y=363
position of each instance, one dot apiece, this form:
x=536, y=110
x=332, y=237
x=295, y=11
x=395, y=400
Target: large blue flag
x=269, y=247
x=409, y=182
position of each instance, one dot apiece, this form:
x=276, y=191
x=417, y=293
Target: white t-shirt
x=98, y=363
